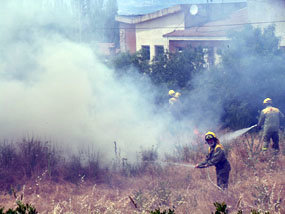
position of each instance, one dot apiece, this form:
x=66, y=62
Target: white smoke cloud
x=55, y=88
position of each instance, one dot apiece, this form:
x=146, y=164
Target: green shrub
x=20, y=209
x=157, y=211
x=221, y=208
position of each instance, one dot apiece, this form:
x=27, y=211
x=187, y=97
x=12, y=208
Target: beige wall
x=156, y=28
x=268, y=11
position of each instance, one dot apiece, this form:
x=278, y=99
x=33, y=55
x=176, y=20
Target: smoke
x=230, y=95
x=53, y=87
x=274, y=12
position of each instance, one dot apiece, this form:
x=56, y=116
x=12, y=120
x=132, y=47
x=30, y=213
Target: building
x=169, y=28
x=210, y=36
x=204, y=25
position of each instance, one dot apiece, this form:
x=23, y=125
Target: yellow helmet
x=171, y=92
x=267, y=101
x=210, y=135
x=172, y=100
x=177, y=95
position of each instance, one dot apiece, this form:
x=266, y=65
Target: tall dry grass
x=256, y=182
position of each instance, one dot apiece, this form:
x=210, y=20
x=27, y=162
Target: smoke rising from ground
x=54, y=88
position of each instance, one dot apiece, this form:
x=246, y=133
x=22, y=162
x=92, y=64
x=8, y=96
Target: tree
x=111, y=26
x=252, y=69
x=177, y=69
x=102, y=20
x=173, y=70
x=126, y=62
x=97, y=20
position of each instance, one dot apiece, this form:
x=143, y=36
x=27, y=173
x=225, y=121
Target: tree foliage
x=126, y=62
x=102, y=20
x=252, y=69
x=112, y=31
x=173, y=70
x=177, y=69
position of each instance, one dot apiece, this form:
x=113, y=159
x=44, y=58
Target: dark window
x=159, y=50
x=146, y=52
x=179, y=49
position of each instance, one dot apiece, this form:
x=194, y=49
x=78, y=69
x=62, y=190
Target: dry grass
x=256, y=182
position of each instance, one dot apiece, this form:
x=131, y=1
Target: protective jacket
x=270, y=119
x=217, y=157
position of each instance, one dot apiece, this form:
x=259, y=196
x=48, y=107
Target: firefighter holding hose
x=270, y=120
x=216, y=157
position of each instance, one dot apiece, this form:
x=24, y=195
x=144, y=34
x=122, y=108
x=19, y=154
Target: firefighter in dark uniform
x=270, y=120
x=216, y=157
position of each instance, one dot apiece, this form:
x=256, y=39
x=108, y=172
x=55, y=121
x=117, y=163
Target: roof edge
x=142, y=18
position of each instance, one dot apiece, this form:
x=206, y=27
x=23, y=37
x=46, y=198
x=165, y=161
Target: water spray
x=171, y=163
x=235, y=134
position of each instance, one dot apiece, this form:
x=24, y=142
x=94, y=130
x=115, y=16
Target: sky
x=135, y=7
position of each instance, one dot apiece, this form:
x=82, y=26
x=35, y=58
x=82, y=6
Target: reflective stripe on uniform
x=217, y=146
x=270, y=110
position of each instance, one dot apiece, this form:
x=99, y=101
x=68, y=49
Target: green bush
x=157, y=211
x=20, y=209
x=221, y=208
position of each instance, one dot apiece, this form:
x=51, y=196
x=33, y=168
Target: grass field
x=54, y=185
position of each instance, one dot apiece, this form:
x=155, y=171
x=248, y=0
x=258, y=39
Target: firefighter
x=172, y=100
x=216, y=157
x=177, y=95
x=173, y=97
x=171, y=93
x=270, y=120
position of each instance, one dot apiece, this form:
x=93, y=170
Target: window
x=159, y=50
x=179, y=49
x=146, y=52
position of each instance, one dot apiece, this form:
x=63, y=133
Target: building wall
x=127, y=38
x=151, y=32
x=268, y=11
